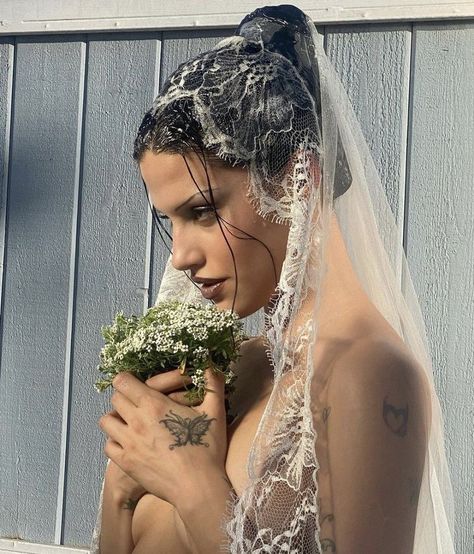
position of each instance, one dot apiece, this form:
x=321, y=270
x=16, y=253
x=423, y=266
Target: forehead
x=168, y=178
x=160, y=169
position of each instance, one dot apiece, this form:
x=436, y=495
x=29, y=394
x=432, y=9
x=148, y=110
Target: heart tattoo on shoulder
x=396, y=419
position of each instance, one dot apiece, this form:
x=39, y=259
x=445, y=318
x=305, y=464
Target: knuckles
x=120, y=381
x=170, y=379
x=103, y=421
x=114, y=398
x=107, y=451
x=125, y=461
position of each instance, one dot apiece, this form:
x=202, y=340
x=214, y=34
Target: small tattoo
x=328, y=543
x=187, y=430
x=329, y=517
x=326, y=413
x=395, y=418
x=130, y=504
x=414, y=489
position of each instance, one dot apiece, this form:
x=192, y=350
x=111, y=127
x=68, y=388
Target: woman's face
x=198, y=241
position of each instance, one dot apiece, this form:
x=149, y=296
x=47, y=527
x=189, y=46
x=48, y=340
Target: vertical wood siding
x=373, y=64
x=440, y=237
x=35, y=295
x=77, y=244
x=111, y=247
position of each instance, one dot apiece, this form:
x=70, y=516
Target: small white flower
x=168, y=334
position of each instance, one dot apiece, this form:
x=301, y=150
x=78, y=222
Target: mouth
x=210, y=287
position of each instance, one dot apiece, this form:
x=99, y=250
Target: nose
x=187, y=252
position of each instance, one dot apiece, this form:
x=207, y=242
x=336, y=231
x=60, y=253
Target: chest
x=248, y=402
x=154, y=519
x=240, y=436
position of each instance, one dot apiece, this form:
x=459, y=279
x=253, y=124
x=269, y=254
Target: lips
x=200, y=280
x=209, y=287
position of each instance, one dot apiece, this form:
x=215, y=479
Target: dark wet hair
x=175, y=127
x=176, y=130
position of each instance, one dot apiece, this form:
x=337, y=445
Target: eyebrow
x=199, y=193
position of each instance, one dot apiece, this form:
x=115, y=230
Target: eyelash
x=198, y=210
x=202, y=210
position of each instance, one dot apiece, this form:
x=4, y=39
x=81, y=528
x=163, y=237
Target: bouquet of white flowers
x=171, y=335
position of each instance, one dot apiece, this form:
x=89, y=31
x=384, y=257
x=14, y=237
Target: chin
x=242, y=309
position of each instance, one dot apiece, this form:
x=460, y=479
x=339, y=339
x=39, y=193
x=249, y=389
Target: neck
x=345, y=309
x=344, y=303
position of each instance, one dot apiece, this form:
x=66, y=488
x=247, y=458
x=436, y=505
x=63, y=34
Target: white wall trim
x=14, y=546
x=57, y=16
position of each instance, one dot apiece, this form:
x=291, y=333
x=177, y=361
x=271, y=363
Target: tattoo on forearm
x=186, y=430
x=414, y=490
x=396, y=419
x=326, y=413
x=130, y=504
x=328, y=544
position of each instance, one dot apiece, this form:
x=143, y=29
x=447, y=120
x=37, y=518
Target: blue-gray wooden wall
x=77, y=246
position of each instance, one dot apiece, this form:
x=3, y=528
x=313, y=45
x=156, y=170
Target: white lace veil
x=268, y=91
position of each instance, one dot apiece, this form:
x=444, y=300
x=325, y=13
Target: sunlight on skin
x=198, y=241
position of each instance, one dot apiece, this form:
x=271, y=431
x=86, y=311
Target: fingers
x=116, y=414
x=123, y=406
x=180, y=398
x=112, y=449
x=131, y=387
x=112, y=427
x=213, y=402
x=169, y=381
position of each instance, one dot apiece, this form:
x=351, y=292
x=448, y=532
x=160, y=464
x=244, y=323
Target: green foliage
x=172, y=335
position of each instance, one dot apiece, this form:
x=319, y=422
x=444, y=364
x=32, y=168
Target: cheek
x=252, y=251
x=251, y=255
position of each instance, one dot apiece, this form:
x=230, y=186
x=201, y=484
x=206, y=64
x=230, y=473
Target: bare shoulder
x=380, y=372
x=377, y=430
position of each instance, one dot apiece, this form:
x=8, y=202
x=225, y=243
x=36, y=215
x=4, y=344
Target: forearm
x=202, y=513
x=116, y=528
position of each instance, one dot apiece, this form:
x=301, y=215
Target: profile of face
x=202, y=243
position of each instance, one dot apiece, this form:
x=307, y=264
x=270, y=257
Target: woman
x=253, y=152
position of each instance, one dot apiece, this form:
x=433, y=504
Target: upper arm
x=377, y=437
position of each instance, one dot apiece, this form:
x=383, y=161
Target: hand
x=166, y=447
x=122, y=484
x=173, y=384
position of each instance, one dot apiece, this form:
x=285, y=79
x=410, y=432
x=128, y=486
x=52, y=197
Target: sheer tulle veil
x=293, y=101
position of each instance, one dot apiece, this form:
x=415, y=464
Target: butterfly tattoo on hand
x=187, y=430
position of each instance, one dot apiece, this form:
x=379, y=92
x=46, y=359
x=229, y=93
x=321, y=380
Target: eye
x=203, y=212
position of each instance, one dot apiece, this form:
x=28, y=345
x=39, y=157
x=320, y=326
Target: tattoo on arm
x=326, y=413
x=328, y=544
x=329, y=517
x=396, y=419
x=186, y=430
x=130, y=504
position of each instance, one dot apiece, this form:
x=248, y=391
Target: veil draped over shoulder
x=259, y=95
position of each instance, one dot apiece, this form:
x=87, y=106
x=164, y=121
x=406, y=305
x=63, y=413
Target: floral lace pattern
x=254, y=104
